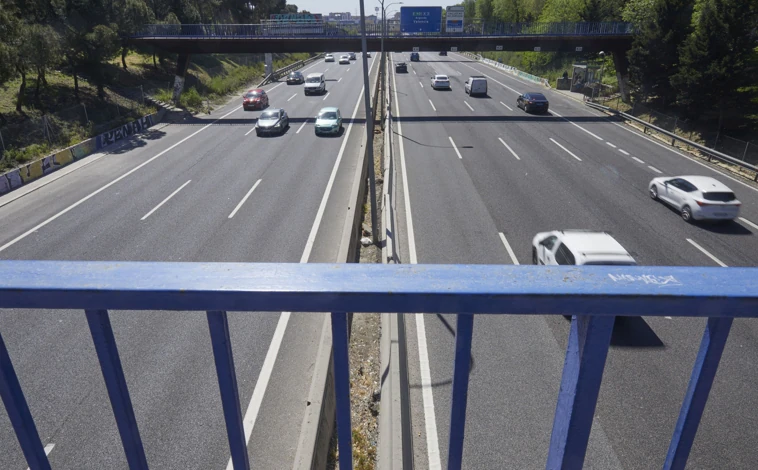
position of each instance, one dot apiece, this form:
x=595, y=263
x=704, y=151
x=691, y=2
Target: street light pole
x=369, y=148
x=602, y=69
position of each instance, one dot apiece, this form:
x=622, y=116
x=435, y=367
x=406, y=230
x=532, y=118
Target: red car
x=255, y=99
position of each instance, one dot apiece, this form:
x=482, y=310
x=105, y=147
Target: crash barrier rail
x=709, y=152
x=594, y=295
x=326, y=29
x=518, y=73
x=279, y=73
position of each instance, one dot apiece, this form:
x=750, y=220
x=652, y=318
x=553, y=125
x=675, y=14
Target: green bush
x=164, y=95
x=191, y=99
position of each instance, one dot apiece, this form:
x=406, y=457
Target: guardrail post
x=342, y=389
x=115, y=382
x=463, y=334
x=19, y=414
x=706, y=364
x=218, y=325
x=586, y=352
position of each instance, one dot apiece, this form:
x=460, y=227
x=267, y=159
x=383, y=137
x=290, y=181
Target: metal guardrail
x=277, y=74
x=711, y=153
x=326, y=29
x=593, y=294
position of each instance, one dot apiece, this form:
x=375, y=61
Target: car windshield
x=719, y=196
x=313, y=80
x=536, y=96
x=252, y=94
x=270, y=115
x=328, y=115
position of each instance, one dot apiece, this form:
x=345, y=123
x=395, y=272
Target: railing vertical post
x=463, y=333
x=19, y=414
x=218, y=325
x=706, y=364
x=115, y=382
x=342, y=389
x=586, y=352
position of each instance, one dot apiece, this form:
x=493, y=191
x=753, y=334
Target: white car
x=345, y=60
x=329, y=58
x=579, y=247
x=696, y=197
x=440, y=81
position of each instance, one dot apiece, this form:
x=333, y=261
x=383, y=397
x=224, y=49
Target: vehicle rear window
x=719, y=196
x=537, y=96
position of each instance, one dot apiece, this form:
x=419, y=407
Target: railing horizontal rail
x=594, y=295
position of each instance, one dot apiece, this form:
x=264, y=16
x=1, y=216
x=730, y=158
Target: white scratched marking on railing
x=646, y=278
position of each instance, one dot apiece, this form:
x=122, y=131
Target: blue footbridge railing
x=594, y=295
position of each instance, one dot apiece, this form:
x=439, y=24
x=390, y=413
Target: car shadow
x=481, y=97
x=267, y=135
x=632, y=332
x=728, y=227
x=340, y=133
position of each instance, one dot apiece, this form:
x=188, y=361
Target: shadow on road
x=634, y=332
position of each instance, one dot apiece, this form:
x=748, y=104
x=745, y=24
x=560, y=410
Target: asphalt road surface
x=478, y=178
x=204, y=190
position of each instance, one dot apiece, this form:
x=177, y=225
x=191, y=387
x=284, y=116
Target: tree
x=509, y=11
x=134, y=15
x=714, y=59
x=99, y=46
x=9, y=33
x=41, y=50
x=485, y=9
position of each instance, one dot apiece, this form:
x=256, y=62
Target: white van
x=315, y=83
x=476, y=86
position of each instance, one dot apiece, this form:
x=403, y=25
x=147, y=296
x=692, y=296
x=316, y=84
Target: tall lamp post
x=384, y=29
x=602, y=69
x=371, y=177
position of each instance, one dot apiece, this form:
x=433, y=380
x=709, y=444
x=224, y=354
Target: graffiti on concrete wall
x=178, y=87
x=14, y=177
x=32, y=171
x=5, y=184
x=62, y=158
x=131, y=128
x=84, y=149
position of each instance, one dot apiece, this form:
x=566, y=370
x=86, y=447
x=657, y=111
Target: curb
x=320, y=413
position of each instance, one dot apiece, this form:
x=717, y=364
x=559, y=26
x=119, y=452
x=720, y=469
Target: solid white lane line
x=326, y=96
x=276, y=342
x=654, y=169
x=422, y=85
x=509, y=148
x=692, y=159
x=48, y=449
x=103, y=188
x=749, y=223
x=624, y=152
x=301, y=126
x=244, y=198
x=493, y=79
x=251, y=130
x=577, y=126
x=610, y=145
x=509, y=108
x=430, y=102
x=469, y=106
x=508, y=248
x=414, y=72
x=430, y=421
x=456, y=148
x=275, y=86
x=165, y=200
x=565, y=149
x=706, y=253
x=290, y=98
x=637, y=160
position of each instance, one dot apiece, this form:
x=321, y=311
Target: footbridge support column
x=622, y=73
x=182, y=63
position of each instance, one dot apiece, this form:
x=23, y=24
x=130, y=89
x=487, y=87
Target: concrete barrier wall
x=38, y=168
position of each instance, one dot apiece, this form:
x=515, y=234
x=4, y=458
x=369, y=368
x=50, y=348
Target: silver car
x=696, y=197
x=272, y=121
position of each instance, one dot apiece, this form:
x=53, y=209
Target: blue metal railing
x=595, y=295
x=471, y=29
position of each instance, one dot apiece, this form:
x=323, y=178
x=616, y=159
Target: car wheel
x=534, y=256
x=257, y=134
x=654, y=192
x=687, y=214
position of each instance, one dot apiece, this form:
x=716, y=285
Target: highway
x=477, y=179
x=204, y=190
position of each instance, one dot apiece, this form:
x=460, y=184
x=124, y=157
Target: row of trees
x=698, y=55
x=82, y=35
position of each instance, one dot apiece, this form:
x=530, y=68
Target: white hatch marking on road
x=430, y=421
x=326, y=96
x=165, y=200
x=509, y=148
x=251, y=130
x=565, y=149
x=422, y=85
x=749, y=223
x=654, y=169
x=244, y=198
x=48, y=449
x=692, y=159
x=577, y=126
x=103, y=188
x=301, y=126
x=624, y=152
x=469, y=106
x=508, y=248
x=706, y=253
x=610, y=145
x=291, y=97
x=273, y=350
x=456, y=148
x=509, y=108
x=430, y=102
x=637, y=160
